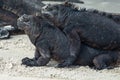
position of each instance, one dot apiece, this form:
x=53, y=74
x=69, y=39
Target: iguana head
x=24, y=22
x=57, y=13
x=31, y=24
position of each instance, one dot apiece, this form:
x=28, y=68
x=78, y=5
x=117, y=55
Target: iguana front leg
x=42, y=57
x=31, y=62
x=37, y=54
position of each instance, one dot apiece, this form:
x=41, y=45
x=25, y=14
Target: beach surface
x=19, y=46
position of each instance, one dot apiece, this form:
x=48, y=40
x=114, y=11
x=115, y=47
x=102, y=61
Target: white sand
x=18, y=47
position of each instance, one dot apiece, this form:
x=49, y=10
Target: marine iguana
x=10, y=10
x=94, y=29
x=50, y=42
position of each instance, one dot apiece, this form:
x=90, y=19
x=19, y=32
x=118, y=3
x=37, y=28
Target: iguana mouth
x=47, y=14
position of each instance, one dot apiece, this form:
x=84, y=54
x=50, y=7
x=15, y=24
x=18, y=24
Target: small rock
x=9, y=66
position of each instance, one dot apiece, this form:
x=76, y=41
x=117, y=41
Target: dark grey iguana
x=50, y=42
x=20, y=7
x=10, y=10
x=15, y=8
x=94, y=29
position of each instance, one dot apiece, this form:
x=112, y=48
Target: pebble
x=9, y=66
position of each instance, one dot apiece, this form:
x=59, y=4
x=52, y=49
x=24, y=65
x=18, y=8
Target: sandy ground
x=18, y=47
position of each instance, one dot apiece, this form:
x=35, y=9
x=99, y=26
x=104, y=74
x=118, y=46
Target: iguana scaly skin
x=50, y=42
x=93, y=29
